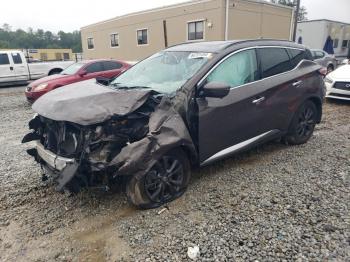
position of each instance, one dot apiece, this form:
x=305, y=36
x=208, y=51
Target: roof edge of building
x=187, y=3
x=326, y=20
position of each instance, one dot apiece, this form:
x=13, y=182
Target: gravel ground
x=275, y=202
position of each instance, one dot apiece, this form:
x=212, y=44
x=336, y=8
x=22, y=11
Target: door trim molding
x=237, y=147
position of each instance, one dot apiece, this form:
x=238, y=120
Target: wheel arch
x=54, y=70
x=318, y=103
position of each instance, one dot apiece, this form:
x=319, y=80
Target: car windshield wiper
x=119, y=86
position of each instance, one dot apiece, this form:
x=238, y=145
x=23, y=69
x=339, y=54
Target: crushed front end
x=78, y=155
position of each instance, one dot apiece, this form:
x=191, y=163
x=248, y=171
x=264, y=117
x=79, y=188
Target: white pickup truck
x=15, y=69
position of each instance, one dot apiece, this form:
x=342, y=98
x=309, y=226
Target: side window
x=95, y=67
x=4, y=59
x=142, y=37
x=239, y=69
x=16, y=57
x=195, y=30
x=110, y=65
x=296, y=56
x=317, y=54
x=273, y=61
x=90, y=43
x=336, y=43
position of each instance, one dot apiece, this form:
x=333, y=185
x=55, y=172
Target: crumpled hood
x=88, y=103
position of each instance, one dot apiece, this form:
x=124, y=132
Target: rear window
x=110, y=65
x=273, y=61
x=296, y=56
x=95, y=67
x=4, y=59
x=16, y=57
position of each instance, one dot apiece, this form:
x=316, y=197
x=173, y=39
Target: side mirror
x=82, y=73
x=215, y=89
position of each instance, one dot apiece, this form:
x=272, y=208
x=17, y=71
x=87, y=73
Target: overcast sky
x=69, y=15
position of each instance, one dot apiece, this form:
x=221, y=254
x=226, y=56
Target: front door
x=7, y=73
x=229, y=123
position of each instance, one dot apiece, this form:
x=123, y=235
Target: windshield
x=164, y=72
x=72, y=69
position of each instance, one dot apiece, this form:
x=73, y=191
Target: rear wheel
x=303, y=124
x=164, y=182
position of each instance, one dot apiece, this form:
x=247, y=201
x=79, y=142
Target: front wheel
x=303, y=124
x=164, y=182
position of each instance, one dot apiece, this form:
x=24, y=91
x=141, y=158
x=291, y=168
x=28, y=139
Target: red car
x=75, y=73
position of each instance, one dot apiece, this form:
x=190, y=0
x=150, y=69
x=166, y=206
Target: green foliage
x=302, y=16
x=31, y=39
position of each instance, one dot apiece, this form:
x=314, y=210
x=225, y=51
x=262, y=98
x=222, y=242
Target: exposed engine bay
x=81, y=155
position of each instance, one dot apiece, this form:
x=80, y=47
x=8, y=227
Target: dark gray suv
x=186, y=106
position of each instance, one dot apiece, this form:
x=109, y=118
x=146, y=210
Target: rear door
x=7, y=73
x=283, y=84
x=228, y=124
x=319, y=57
x=19, y=66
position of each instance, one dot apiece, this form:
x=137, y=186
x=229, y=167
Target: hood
x=88, y=103
x=342, y=73
x=48, y=79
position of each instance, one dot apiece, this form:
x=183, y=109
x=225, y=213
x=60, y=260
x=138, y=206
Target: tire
x=159, y=186
x=330, y=69
x=303, y=124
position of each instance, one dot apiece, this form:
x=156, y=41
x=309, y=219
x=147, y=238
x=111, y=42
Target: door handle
x=258, y=100
x=11, y=68
x=297, y=83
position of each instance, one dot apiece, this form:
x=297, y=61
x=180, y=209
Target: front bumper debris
x=54, y=161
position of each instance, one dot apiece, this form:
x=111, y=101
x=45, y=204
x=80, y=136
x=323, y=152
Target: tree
x=21, y=39
x=302, y=16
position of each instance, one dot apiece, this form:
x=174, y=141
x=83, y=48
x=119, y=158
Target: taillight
x=323, y=71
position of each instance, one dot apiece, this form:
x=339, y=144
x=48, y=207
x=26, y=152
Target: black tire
x=159, y=186
x=303, y=124
x=330, y=69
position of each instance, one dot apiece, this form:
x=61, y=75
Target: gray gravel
x=277, y=202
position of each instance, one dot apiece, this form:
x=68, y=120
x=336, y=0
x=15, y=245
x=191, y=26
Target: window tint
x=110, y=65
x=16, y=57
x=195, y=30
x=95, y=67
x=318, y=54
x=296, y=56
x=90, y=43
x=344, y=43
x=4, y=59
x=273, y=61
x=142, y=37
x=239, y=69
x=114, y=40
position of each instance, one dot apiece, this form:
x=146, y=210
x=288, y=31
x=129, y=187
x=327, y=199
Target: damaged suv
x=183, y=107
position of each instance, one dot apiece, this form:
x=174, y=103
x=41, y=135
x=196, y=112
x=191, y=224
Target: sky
x=69, y=15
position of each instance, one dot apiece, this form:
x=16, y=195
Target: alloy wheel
x=306, y=122
x=164, y=181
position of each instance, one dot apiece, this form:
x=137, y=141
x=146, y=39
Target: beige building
x=138, y=35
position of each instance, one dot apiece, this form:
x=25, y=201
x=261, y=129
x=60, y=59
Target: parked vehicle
x=324, y=59
x=14, y=68
x=75, y=73
x=186, y=106
x=338, y=83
